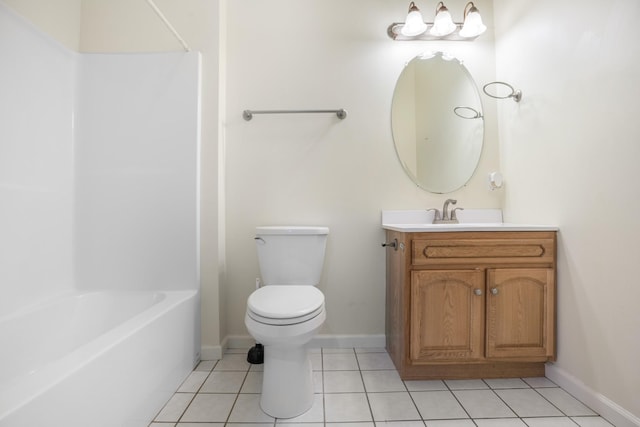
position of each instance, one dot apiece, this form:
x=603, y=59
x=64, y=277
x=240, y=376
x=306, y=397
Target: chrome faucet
x=454, y=217
x=436, y=215
x=447, y=218
x=445, y=209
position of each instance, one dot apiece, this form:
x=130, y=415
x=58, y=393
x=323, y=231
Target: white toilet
x=286, y=312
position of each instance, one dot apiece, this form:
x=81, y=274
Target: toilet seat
x=285, y=304
x=286, y=321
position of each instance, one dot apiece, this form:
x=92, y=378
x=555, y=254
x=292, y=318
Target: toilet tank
x=291, y=255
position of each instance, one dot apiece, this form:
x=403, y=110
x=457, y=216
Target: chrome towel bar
x=248, y=114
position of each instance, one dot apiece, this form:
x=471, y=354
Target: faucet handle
x=454, y=217
x=436, y=215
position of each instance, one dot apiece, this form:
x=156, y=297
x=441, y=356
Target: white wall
x=37, y=78
x=59, y=19
x=570, y=153
x=316, y=169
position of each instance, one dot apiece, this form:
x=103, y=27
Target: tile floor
x=361, y=388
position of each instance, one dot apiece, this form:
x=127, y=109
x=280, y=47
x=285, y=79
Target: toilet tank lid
x=285, y=230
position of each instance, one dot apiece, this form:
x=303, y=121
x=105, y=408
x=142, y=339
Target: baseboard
x=211, y=352
x=329, y=341
x=349, y=341
x=608, y=409
x=244, y=342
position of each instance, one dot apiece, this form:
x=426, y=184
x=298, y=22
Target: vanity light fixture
x=442, y=28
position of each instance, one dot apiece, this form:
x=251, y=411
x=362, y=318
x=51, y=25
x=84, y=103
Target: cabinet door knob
x=477, y=291
x=494, y=291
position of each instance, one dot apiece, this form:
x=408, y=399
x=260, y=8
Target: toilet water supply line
x=168, y=24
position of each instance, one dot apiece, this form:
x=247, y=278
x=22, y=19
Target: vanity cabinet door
x=447, y=315
x=520, y=313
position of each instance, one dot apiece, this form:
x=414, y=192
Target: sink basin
x=469, y=220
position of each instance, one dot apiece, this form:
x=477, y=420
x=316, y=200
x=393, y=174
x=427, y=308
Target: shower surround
x=99, y=203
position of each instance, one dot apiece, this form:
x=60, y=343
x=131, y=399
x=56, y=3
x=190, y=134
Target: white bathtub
x=96, y=359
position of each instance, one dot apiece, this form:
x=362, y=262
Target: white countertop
x=441, y=228
x=416, y=221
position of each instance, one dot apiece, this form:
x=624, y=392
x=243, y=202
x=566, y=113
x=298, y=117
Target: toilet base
x=287, y=384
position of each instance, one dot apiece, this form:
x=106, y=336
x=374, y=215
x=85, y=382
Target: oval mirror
x=437, y=122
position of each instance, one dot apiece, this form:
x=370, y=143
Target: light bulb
x=473, y=25
x=443, y=23
x=414, y=24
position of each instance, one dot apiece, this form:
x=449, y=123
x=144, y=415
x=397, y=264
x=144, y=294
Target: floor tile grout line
x=364, y=386
x=521, y=418
x=186, y=407
x=506, y=404
x=192, y=399
x=524, y=420
x=404, y=383
x=235, y=401
x=550, y=402
x=459, y=403
x=561, y=411
x=571, y=395
x=473, y=420
x=324, y=403
x=237, y=394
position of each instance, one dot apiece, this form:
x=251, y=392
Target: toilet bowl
x=287, y=382
x=286, y=313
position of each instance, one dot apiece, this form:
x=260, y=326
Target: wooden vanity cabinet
x=471, y=304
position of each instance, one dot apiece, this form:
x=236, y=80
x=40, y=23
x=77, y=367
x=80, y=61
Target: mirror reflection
x=437, y=122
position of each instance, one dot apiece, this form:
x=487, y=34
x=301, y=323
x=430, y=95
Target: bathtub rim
x=56, y=298
x=20, y=391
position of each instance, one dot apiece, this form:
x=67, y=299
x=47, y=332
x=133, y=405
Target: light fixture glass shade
x=443, y=23
x=473, y=25
x=414, y=24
